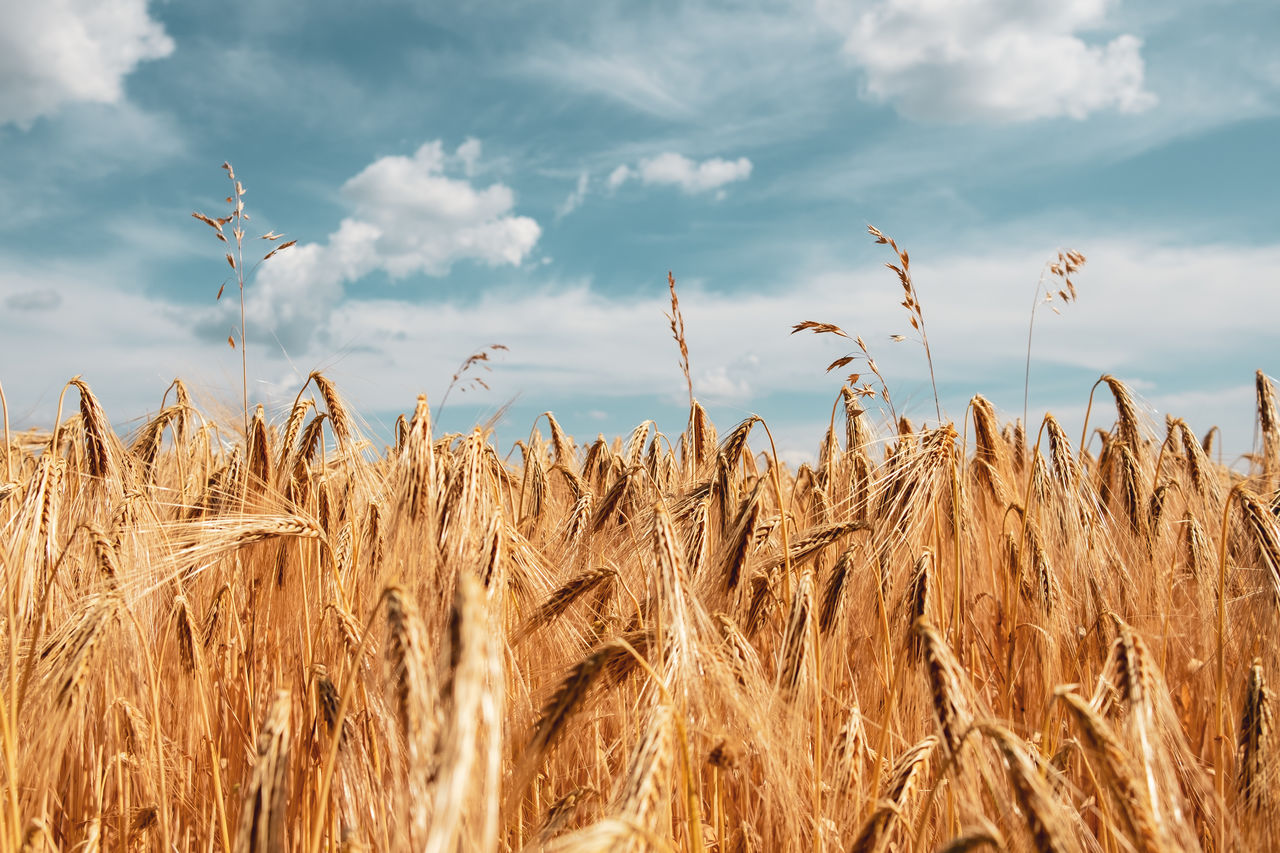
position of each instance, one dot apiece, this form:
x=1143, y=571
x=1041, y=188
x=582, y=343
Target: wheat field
x=967, y=637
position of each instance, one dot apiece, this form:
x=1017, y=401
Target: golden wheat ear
x=262, y=812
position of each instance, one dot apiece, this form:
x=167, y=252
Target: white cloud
x=991, y=60
x=728, y=382
x=426, y=221
x=57, y=52
x=677, y=170
x=43, y=299
x=574, y=200
x=618, y=177
x=469, y=153
x=408, y=216
x=1196, y=362
x=976, y=309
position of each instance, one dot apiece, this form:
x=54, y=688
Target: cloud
x=571, y=346
x=639, y=85
x=45, y=299
x=743, y=354
x=408, y=217
x=989, y=60
x=671, y=169
x=729, y=382
x=574, y=200
x=618, y=177
x=67, y=51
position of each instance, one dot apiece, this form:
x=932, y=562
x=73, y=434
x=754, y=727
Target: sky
x=458, y=175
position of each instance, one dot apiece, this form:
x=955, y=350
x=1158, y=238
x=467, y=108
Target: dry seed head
x=1127, y=421
x=570, y=695
x=989, y=448
x=636, y=443
x=100, y=442
x=410, y=675
x=292, y=427
x=698, y=550
x=562, y=598
x=644, y=785
x=951, y=706
x=1261, y=524
x=1197, y=461
x=262, y=815
x=735, y=553
x=919, y=592
x=815, y=540
x=833, y=593
x=795, y=640
x=467, y=700
x=1256, y=778
x=259, y=458
x=1131, y=492
x=1128, y=670
x=704, y=435
x=338, y=416
x=184, y=624
x=560, y=443
x=1065, y=468
x=1047, y=820
x=981, y=837
x=147, y=445
x=1269, y=425
x=902, y=782
x=1120, y=774
x=741, y=654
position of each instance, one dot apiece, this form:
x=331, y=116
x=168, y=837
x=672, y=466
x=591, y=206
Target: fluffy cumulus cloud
x=409, y=216
x=992, y=60
x=56, y=52
x=677, y=170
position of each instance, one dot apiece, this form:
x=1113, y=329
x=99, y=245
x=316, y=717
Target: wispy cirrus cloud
x=575, y=198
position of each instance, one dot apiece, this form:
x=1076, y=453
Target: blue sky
x=459, y=175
